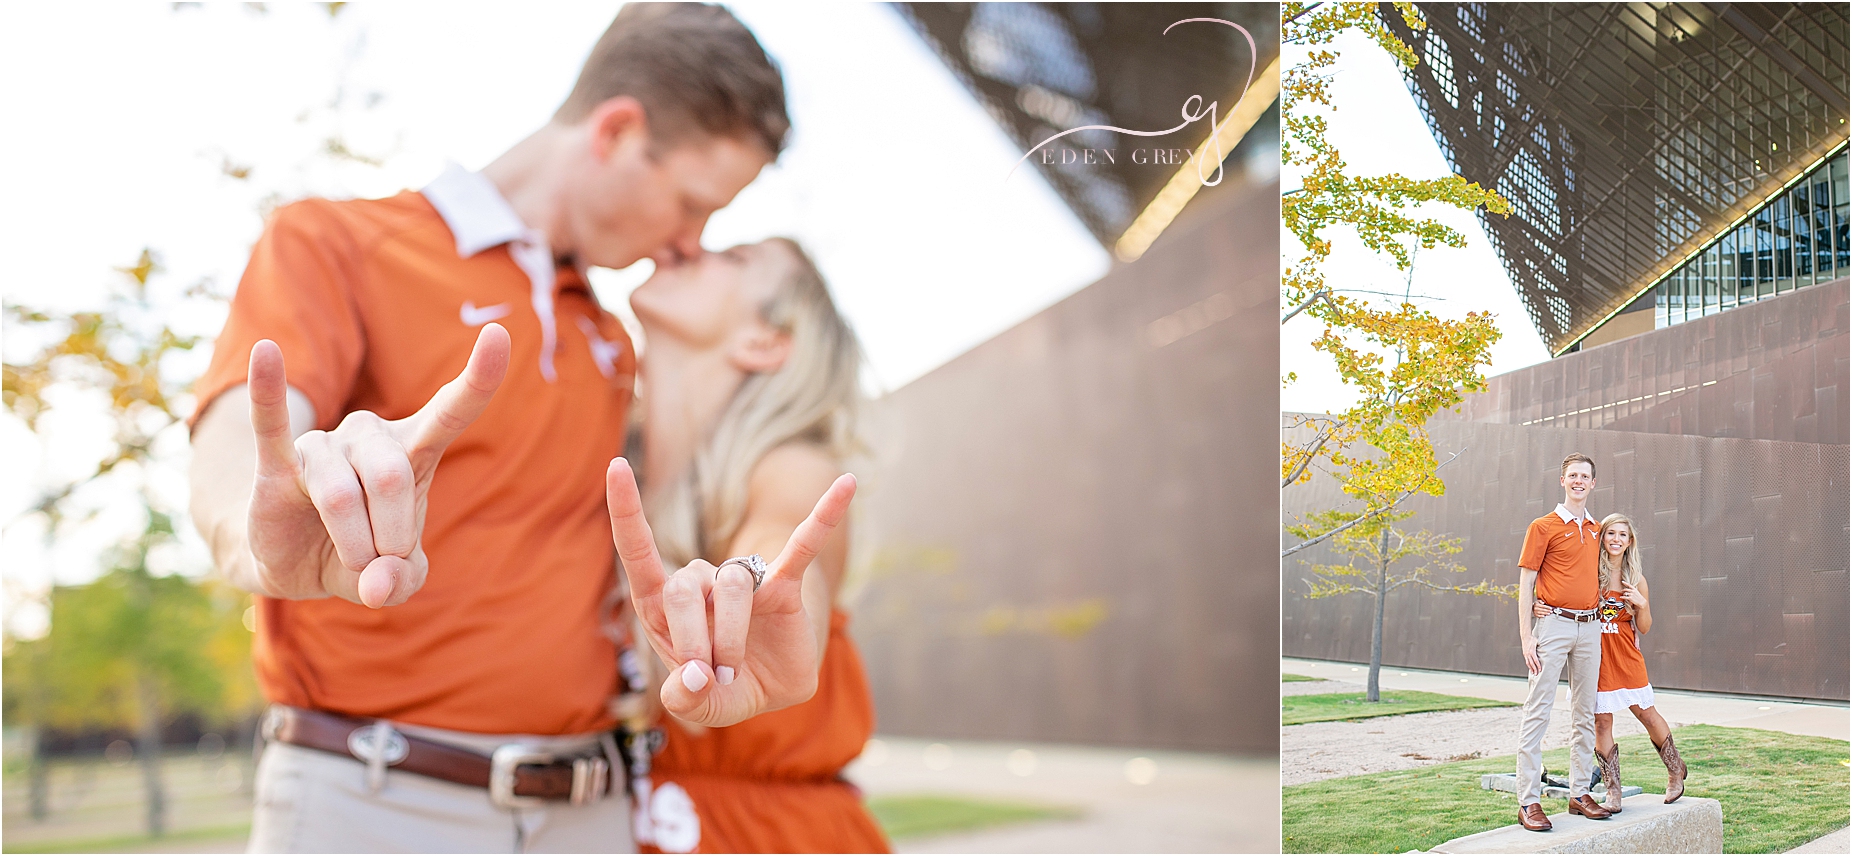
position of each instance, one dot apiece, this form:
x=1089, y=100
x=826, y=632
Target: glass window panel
x=1802, y=234
x=1707, y=262
x=1765, y=253
x=1840, y=261
x=1688, y=304
x=1726, y=268
x=1781, y=240
x=1821, y=216
x=1661, y=307
x=1745, y=263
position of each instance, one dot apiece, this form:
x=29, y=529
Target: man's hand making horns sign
x=342, y=512
x=701, y=620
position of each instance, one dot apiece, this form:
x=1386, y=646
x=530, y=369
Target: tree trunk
x=149, y=752
x=38, y=781
x=1375, y=693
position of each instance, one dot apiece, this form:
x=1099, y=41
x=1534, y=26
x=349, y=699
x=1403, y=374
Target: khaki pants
x=309, y=801
x=1569, y=649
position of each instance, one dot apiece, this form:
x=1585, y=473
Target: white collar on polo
x=479, y=218
x=1563, y=512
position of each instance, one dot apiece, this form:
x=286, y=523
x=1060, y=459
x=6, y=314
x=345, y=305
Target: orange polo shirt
x=1565, y=553
x=376, y=304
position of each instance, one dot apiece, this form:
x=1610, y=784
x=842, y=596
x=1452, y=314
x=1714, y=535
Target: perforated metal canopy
x=1624, y=134
x=1043, y=68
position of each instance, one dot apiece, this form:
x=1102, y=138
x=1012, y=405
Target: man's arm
x=223, y=469
x=1527, y=595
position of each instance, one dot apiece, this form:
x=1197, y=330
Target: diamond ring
x=754, y=564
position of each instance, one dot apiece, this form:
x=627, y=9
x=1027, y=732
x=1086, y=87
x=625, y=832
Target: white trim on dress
x=1615, y=701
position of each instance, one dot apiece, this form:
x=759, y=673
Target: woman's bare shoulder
x=791, y=478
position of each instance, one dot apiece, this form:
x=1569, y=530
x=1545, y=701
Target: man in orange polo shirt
x=1559, y=568
x=432, y=636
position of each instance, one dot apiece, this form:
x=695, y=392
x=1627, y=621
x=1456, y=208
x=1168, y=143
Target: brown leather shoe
x=1533, y=818
x=1586, y=806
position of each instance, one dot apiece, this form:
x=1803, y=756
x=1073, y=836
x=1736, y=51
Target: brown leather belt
x=1576, y=615
x=517, y=775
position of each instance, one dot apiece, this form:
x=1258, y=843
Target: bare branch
x=1312, y=455
x=1318, y=295
x=1509, y=592
x=1367, y=514
x=1302, y=13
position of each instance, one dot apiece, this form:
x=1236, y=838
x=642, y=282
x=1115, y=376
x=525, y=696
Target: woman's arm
x=1642, y=611
x=781, y=491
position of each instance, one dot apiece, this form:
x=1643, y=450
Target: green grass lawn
x=1298, y=710
x=134, y=843
x=916, y=815
x=1778, y=791
x=1287, y=678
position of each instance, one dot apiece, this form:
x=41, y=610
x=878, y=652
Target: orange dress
x=1623, y=681
x=773, y=783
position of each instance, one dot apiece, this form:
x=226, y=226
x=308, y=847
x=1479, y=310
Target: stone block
x=1508, y=782
x=1645, y=825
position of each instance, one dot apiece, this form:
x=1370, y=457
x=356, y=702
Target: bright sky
x=894, y=180
x=1380, y=130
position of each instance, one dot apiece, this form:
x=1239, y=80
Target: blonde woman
x=748, y=391
x=1625, y=614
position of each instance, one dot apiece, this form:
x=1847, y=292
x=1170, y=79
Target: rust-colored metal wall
x=1072, y=529
x=1744, y=539
x=1773, y=370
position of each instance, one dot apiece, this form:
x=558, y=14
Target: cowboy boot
x=1610, y=775
x=1675, y=770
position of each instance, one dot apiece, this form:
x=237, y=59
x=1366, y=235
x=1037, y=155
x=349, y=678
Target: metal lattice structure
x=1043, y=68
x=1626, y=135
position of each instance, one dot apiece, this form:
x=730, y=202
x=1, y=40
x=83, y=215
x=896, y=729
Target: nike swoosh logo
x=473, y=317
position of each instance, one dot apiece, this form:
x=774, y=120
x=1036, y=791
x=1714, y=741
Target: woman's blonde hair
x=811, y=398
x=1630, y=559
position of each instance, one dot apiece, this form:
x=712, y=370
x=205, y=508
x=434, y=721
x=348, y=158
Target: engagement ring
x=754, y=564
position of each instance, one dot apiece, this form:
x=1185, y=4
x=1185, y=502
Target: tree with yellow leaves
x=133, y=648
x=1374, y=546
x=1379, y=448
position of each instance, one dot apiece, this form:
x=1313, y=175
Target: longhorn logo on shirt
x=604, y=352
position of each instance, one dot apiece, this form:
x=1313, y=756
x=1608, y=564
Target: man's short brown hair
x=1579, y=458
x=693, y=67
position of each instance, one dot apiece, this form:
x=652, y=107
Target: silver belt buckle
x=591, y=776
x=502, y=765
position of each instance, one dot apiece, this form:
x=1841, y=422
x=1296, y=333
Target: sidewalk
x=1680, y=707
x=1192, y=802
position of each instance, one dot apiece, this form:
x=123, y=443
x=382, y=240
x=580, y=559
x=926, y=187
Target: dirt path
x=1329, y=750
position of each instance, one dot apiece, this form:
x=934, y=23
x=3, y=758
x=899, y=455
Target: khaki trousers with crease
x=1569, y=649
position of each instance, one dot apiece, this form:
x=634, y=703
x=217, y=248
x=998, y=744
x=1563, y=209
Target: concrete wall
x=1072, y=529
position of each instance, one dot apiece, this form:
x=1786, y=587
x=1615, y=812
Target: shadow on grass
x=1330, y=707
x=1778, y=791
